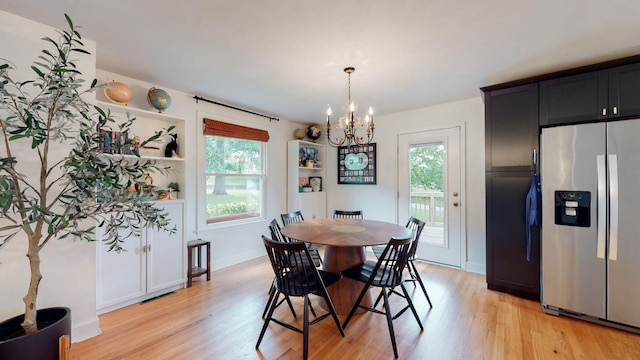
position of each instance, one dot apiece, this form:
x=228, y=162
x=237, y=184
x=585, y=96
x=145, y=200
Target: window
x=234, y=171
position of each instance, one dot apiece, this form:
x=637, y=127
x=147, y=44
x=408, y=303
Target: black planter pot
x=43, y=345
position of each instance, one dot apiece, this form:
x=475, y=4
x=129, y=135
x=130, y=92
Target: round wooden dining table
x=345, y=241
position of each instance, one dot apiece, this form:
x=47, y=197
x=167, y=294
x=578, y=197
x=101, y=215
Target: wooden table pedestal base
x=345, y=292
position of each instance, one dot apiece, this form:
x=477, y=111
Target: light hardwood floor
x=221, y=319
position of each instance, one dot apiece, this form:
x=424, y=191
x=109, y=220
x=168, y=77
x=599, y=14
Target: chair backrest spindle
x=348, y=214
x=288, y=218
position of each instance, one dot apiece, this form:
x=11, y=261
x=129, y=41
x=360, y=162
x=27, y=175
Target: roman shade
x=220, y=128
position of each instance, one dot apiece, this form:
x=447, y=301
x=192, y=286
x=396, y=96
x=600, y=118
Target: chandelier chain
x=349, y=92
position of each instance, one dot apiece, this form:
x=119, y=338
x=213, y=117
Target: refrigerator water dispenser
x=573, y=208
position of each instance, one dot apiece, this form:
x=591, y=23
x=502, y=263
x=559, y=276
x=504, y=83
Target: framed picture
x=315, y=182
x=357, y=164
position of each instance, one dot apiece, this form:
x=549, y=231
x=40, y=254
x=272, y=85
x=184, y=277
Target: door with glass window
x=429, y=189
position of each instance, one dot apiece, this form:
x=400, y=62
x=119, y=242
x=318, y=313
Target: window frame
x=201, y=202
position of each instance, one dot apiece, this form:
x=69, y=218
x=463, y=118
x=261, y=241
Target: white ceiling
x=285, y=58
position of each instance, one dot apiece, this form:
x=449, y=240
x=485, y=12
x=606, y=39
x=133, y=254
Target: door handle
x=602, y=206
x=613, y=215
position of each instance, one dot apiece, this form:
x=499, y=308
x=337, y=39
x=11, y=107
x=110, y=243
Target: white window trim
x=201, y=218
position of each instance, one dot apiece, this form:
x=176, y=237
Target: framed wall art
x=357, y=164
x=316, y=183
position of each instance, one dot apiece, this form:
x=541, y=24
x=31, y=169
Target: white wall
x=380, y=202
x=68, y=266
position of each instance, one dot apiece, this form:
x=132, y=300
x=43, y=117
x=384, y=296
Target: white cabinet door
x=149, y=264
x=165, y=255
x=313, y=205
x=121, y=276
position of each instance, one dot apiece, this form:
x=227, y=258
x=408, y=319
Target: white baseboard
x=85, y=330
x=478, y=268
x=226, y=261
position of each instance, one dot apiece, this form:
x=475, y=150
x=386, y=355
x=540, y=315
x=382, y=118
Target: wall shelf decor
x=357, y=164
x=300, y=193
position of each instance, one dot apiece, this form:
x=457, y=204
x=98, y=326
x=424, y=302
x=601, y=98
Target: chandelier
x=349, y=123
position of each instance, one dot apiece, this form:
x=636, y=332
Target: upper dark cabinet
x=624, y=91
x=592, y=96
x=511, y=128
x=573, y=99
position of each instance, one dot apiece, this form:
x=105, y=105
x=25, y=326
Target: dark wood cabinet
x=508, y=269
x=514, y=112
x=511, y=127
x=511, y=136
x=592, y=96
x=575, y=98
x=624, y=91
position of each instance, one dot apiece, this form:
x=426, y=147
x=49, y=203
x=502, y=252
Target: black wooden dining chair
x=277, y=235
x=293, y=278
x=294, y=217
x=386, y=274
x=417, y=226
x=347, y=214
x=291, y=217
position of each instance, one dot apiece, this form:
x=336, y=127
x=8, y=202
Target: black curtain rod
x=198, y=98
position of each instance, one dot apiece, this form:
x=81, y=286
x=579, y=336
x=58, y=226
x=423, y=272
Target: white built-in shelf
x=133, y=112
x=143, y=157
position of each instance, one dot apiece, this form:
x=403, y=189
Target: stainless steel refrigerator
x=591, y=222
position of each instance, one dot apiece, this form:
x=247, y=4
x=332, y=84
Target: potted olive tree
x=55, y=180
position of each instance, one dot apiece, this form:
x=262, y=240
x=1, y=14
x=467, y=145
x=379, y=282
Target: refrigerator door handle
x=613, y=197
x=602, y=206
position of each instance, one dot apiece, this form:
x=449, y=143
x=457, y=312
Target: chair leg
x=272, y=292
x=387, y=311
x=416, y=275
x=305, y=329
x=356, y=305
x=272, y=307
x=375, y=304
x=332, y=310
x=311, y=308
x=413, y=309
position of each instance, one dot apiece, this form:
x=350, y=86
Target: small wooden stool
x=196, y=269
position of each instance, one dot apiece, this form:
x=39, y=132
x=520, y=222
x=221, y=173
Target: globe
x=313, y=132
x=299, y=134
x=117, y=92
x=159, y=99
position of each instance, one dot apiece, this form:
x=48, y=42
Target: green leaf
x=40, y=74
x=69, y=21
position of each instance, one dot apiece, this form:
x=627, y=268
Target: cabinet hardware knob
x=455, y=194
x=615, y=110
x=455, y=204
x=604, y=112
x=149, y=248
